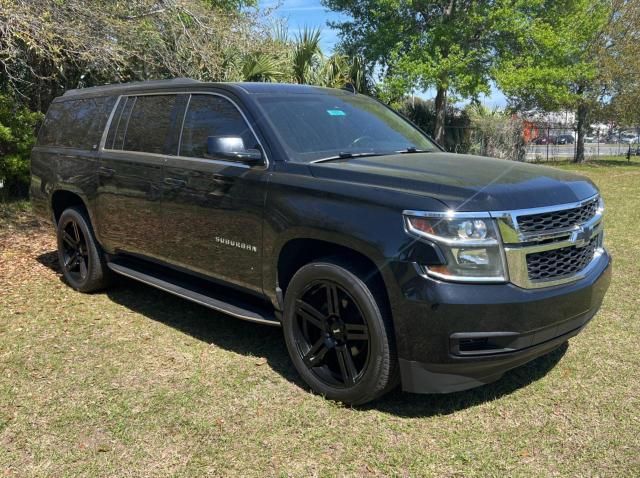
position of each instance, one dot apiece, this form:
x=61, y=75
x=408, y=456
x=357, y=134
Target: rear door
x=213, y=207
x=130, y=173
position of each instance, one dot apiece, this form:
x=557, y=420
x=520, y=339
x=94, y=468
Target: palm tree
x=307, y=56
x=261, y=67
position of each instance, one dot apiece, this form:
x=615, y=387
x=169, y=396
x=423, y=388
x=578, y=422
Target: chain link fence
x=539, y=143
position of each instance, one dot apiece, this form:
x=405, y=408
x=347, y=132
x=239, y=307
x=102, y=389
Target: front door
x=212, y=206
x=130, y=174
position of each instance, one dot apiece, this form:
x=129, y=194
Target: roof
x=246, y=87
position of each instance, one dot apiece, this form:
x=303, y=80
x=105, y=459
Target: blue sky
x=311, y=13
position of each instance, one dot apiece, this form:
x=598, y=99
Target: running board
x=195, y=294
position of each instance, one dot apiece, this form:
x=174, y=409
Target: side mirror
x=232, y=148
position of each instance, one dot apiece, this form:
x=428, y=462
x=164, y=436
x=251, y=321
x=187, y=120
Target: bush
x=496, y=133
x=423, y=114
x=18, y=128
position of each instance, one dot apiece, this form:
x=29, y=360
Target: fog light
x=478, y=257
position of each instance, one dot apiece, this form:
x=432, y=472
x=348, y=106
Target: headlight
x=469, y=242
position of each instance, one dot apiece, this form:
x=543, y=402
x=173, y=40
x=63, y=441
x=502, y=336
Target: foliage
x=423, y=114
x=496, y=133
x=550, y=56
x=619, y=63
x=421, y=45
x=47, y=47
x=307, y=64
x=17, y=127
x=261, y=67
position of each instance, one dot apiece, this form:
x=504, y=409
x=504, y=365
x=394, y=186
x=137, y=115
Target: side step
x=195, y=290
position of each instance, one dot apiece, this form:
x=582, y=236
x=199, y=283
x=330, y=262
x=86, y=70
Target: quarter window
x=210, y=115
x=76, y=123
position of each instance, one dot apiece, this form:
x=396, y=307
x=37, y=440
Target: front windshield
x=325, y=125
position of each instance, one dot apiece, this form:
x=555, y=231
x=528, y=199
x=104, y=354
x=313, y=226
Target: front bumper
x=453, y=337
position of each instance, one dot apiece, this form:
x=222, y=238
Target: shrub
x=17, y=135
x=423, y=114
x=496, y=133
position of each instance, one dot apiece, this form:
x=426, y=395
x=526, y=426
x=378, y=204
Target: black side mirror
x=232, y=148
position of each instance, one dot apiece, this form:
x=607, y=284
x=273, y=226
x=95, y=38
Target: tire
x=342, y=347
x=81, y=258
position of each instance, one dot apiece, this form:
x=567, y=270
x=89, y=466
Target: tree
x=620, y=63
x=550, y=57
x=309, y=65
x=446, y=45
x=17, y=125
x=47, y=47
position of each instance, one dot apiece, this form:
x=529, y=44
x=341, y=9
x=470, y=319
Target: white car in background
x=629, y=138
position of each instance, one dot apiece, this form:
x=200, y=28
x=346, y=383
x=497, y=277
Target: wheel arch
x=298, y=251
x=64, y=198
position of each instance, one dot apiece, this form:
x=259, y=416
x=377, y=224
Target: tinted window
x=123, y=121
x=76, y=123
x=210, y=115
x=315, y=126
x=115, y=122
x=148, y=127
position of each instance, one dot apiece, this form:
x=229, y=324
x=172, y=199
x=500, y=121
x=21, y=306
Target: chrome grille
x=559, y=263
x=549, y=246
x=554, y=220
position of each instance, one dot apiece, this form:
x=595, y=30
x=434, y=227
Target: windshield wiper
x=347, y=155
x=413, y=149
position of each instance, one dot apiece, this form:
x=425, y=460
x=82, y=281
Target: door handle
x=106, y=172
x=176, y=183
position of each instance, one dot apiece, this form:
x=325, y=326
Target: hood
x=463, y=182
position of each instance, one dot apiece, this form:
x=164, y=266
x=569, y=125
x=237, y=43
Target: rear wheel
x=80, y=256
x=338, y=337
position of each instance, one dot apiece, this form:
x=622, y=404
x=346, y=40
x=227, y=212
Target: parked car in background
x=384, y=259
x=545, y=140
x=629, y=138
x=565, y=139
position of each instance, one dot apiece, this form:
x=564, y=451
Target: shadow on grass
x=258, y=340
x=411, y=405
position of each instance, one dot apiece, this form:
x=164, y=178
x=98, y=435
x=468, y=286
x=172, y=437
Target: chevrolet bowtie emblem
x=582, y=236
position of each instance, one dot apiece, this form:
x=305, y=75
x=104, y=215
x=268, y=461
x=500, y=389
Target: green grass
x=135, y=382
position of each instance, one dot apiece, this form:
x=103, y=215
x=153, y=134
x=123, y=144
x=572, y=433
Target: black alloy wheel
x=75, y=253
x=81, y=259
x=331, y=334
x=338, y=331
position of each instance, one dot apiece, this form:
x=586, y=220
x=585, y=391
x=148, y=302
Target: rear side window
x=210, y=115
x=143, y=123
x=76, y=123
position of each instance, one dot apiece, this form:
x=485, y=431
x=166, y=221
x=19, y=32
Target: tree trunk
x=441, y=110
x=582, y=125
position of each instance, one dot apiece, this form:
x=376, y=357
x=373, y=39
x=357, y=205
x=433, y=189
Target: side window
x=76, y=123
x=149, y=124
x=123, y=121
x=142, y=123
x=210, y=115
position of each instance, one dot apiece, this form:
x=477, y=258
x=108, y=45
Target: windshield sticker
x=336, y=113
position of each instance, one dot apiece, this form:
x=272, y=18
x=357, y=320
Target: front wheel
x=339, y=338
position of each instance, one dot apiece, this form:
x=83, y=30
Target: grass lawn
x=136, y=382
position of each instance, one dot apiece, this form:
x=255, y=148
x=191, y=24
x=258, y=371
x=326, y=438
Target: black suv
x=384, y=259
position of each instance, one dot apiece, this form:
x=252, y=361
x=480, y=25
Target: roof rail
x=91, y=89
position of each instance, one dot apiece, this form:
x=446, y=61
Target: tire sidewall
x=370, y=384
x=94, y=267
